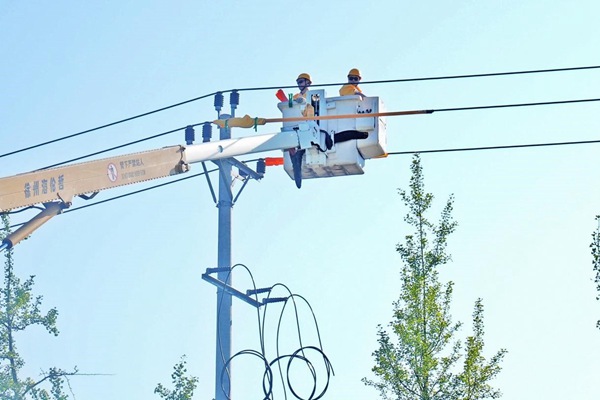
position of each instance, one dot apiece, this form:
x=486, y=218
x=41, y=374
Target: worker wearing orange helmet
x=351, y=88
x=303, y=81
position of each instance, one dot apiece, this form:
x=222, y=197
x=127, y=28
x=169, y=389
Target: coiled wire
x=283, y=367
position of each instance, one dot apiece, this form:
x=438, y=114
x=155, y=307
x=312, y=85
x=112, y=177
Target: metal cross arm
x=227, y=288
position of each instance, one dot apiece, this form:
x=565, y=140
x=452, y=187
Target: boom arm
x=61, y=184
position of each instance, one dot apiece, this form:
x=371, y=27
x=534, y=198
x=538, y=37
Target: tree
x=184, y=386
x=596, y=259
x=417, y=356
x=20, y=309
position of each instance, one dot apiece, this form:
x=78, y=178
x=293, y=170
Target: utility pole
x=224, y=299
x=225, y=202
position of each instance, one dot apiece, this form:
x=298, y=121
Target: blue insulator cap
x=206, y=132
x=190, y=135
x=218, y=101
x=234, y=98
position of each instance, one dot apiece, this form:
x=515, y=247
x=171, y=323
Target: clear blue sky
x=125, y=275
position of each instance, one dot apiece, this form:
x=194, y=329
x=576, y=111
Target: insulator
x=261, y=166
x=250, y=292
x=190, y=135
x=206, y=132
x=218, y=101
x=274, y=299
x=234, y=98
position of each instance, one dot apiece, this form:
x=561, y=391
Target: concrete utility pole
x=224, y=299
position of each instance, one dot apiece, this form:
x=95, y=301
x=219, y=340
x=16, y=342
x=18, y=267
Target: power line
x=262, y=121
x=104, y=126
x=466, y=76
x=513, y=146
x=429, y=78
x=121, y=146
x=139, y=191
x=484, y=75
x=438, y=110
x=391, y=153
x=543, y=103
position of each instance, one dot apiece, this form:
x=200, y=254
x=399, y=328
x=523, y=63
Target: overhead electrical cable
x=263, y=121
x=541, y=103
x=465, y=76
x=121, y=146
x=138, y=191
x=104, y=126
x=249, y=122
x=483, y=75
x=513, y=146
x=429, y=78
x=391, y=153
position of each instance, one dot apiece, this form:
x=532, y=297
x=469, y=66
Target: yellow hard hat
x=354, y=72
x=304, y=75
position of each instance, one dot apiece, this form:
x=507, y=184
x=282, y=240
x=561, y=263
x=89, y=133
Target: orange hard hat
x=304, y=75
x=354, y=72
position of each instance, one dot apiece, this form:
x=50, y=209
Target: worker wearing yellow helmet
x=303, y=81
x=351, y=88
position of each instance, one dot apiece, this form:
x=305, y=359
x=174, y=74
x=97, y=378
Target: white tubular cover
x=240, y=146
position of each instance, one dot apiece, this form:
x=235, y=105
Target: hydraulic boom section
x=63, y=183
x=56, y=187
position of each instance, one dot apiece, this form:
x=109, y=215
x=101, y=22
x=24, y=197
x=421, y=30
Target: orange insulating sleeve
x=272, y=161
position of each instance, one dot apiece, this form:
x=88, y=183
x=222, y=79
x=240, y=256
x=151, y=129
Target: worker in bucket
x=303, y=81
x=351, y=88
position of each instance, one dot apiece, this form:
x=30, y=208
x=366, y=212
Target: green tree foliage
x=183, y=386
x=20, y=309
x=418, y=358
x=596, y=259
